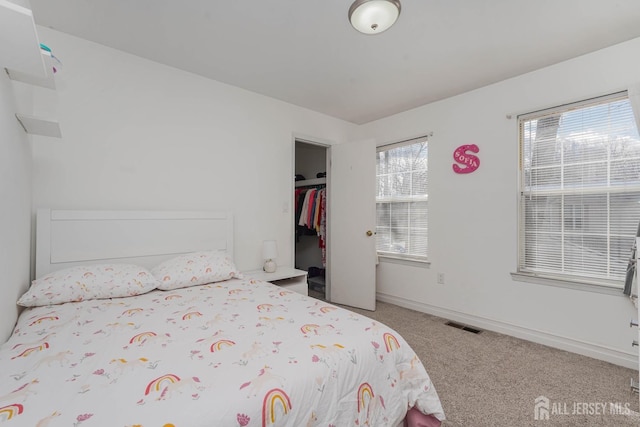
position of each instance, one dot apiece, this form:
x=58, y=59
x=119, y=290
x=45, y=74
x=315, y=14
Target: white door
x=352, y=225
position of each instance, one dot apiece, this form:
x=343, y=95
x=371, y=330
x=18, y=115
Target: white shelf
x=39, y=126
x=314, y=181
x=47, y=82
x=24, y=61
x=20, y=47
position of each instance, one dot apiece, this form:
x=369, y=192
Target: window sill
x=404, y=261
x=568, y=284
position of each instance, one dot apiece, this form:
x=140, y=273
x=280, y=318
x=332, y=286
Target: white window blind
x=401, y=199
x=579, y=191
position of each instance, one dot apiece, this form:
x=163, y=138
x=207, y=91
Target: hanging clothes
x=304, y=214
x=310, y=204
x=322, y=226
x=308, y=207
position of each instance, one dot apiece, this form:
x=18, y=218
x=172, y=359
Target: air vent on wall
x=463, y=327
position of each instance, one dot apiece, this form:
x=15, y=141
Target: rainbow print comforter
x=233, y=353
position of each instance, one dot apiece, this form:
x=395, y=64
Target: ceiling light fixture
x=374, y=16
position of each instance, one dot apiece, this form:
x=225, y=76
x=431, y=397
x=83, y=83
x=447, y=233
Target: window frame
x=394, y=257
x=573, y=281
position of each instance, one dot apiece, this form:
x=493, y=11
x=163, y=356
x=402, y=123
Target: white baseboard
x=628, y=360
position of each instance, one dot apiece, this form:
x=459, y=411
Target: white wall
x=140, y=135
x=473, y=218
x=15, y=215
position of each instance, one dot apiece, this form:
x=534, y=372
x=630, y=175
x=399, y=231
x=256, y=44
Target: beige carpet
x=490, y=379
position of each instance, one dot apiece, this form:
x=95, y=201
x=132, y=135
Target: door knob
x=369, y=233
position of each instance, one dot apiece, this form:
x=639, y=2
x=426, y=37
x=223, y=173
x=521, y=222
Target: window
x=579, y=191
x=401, y=200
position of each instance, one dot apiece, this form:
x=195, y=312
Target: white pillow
x=89, y=282
x=196, y=268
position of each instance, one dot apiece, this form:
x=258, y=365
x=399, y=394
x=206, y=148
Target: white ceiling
x=305, y=52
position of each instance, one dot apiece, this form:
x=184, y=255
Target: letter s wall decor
x=467, y=162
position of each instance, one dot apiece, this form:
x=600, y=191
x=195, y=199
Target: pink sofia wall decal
x=467, y=162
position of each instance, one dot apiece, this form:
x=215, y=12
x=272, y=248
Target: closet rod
x=311, y=187
x=311, y=182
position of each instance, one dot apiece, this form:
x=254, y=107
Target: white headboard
x=66, y=238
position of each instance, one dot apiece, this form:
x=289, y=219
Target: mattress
x=241, y=352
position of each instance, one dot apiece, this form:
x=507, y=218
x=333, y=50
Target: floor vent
x=463, y=327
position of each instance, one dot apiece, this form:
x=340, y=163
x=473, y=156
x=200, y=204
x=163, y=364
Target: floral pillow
x=81, y=283
x=194, y=269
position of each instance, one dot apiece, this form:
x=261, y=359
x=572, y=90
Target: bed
x=141, y=319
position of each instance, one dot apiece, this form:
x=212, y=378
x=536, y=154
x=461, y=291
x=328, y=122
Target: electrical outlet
x=441, y=278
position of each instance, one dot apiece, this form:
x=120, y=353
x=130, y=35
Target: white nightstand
x=286, y=277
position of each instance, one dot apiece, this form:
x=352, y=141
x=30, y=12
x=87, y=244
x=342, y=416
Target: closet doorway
x=311, y=166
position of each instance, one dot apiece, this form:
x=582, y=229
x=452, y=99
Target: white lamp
x=269, y=254
x=374, y=16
